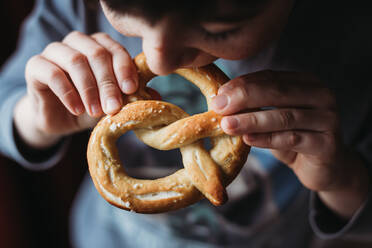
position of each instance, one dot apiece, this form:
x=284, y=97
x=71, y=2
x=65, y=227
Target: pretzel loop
x=165, y=126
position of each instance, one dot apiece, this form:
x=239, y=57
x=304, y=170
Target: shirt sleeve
x=327, y=225
x=49, y=21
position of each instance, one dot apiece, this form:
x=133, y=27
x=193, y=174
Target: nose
x=164, y=60
x=166, y=48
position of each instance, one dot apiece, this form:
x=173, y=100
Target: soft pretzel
x=165, y=126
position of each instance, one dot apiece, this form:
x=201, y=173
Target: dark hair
x=153, y=10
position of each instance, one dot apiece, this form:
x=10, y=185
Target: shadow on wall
x=12, y=14
x=35, y=206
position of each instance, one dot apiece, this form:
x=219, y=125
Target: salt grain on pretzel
x=165, y=126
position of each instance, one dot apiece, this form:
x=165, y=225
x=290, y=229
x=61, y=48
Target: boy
x=69, y=73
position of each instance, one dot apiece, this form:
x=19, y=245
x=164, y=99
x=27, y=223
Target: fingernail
x=95, y=109
x=79, y=110
x=231, y=122
x=128, y=86
x=112, y=104
x=220, y=101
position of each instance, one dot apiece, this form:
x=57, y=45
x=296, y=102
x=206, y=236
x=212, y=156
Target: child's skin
x=88, y=74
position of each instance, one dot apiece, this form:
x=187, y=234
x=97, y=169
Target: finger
x=271, y=89
x=52, y=77
x=100, y=62
x=306, y=142
x=124, y=68
x=280, y=120
x=75, y=64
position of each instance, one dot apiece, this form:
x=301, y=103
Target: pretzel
x=165, y=126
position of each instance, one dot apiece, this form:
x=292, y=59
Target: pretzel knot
x=165, y=126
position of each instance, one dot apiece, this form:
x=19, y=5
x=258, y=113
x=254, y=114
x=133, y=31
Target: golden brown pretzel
x=165, y=126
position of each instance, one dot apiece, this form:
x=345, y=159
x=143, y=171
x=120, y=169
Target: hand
x=295, y=116
x=81, y=74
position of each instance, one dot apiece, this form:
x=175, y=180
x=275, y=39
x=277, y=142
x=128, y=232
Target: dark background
x=35, y=206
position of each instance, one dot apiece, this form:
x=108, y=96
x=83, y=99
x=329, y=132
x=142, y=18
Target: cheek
x=243, y=47
x=256, y=35
x=250, y=45
x=118, y=25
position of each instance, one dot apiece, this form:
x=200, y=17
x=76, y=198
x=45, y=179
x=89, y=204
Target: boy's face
x=172, y=43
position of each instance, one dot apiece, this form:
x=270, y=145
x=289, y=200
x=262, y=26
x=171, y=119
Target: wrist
x=350, y=191
x=26, y=128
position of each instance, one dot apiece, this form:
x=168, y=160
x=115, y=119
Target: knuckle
x=239, y=88
x=33, y=59
x=115, y=47
x=88, y=92
x=293, y=139
x=52, y=45
x=68, y=95
x=72, y=34
x=233, y=84
x=100, y=35
x=55, y=74
x=57, y=84
x=286, y=118
x=240, y=81
x=108, y=88
x=106, y=85
x=99, y=53
x=270, y=139
x=77, y=58
x=31, y=62
x=240, y=94
x=252, y=120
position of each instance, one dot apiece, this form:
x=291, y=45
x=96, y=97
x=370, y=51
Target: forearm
x=351, y=191
x=26, y=126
